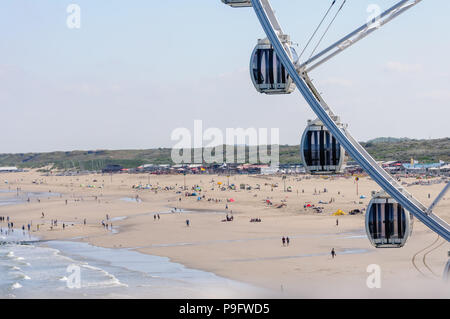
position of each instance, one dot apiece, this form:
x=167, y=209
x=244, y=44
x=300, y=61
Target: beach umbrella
x=339, y=213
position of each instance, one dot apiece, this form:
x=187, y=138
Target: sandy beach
x=248, y=252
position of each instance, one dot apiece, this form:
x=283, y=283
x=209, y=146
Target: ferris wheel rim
x=432, y=221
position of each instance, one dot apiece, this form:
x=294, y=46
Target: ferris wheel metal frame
x=299, y=74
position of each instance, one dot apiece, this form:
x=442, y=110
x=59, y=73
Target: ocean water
x=30, y=268
x=22, y=197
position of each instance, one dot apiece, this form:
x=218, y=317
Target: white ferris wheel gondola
x=238, y=3
x=388, y=224
x=320, y=151
x=268, y=74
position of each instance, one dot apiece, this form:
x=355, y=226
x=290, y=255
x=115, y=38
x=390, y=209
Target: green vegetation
x=426, y=151
x=384, y=149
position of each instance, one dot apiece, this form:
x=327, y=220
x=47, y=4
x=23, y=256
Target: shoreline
x=104, y=272
x=249, y=253
x=87, y=240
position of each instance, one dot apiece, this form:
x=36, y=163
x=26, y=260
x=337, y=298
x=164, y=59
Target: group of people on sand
x=54, y=223
x=255, y=220
x=228, y=218
x=155, y=216
x=106, y=225
x=28, y=227
x=285, y=241
x=10, y=224
x=214, y=200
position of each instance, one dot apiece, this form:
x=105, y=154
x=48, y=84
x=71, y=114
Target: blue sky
x=136, y=70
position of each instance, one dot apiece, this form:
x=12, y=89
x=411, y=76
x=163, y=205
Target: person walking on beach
x=158, y=217
x=333, y=253
x=337, y=222
x=154, y=217
x=187, y=222
x=283, y=240
x=287, y=241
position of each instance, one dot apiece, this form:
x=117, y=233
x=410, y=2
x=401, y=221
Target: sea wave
x=16, y=285
x=112, y=280
x=22, y=276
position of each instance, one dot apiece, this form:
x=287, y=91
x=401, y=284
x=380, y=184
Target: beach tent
x=339, y=213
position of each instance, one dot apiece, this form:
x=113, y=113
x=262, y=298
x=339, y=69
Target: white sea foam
x=16, y=285
x=112, y=280
x=22, y=276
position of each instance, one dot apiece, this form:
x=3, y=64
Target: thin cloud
x=334, y=81
x=400, y=67
x=440, y=95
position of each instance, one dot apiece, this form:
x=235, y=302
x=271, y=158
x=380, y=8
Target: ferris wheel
x=275, y=68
